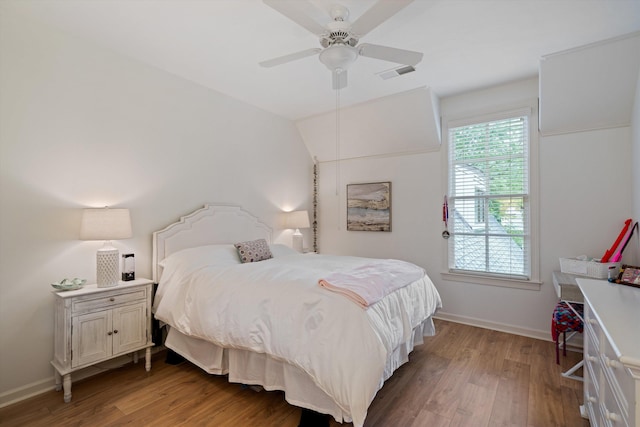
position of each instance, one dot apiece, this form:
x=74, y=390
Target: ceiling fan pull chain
x=337, y=142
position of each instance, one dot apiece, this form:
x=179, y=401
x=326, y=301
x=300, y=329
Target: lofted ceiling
x=467, y=44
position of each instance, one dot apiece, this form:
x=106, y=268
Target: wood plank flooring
x=464, y=376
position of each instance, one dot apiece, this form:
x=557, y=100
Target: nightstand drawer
x=88, y=304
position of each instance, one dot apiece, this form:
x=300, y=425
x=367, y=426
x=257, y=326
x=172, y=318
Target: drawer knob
x=592, y=359
x=592, y=321
x=115, y=331
x=593, y=399
x=109, y=333
x=612, y=416
x=612, y=363
x=112, y=299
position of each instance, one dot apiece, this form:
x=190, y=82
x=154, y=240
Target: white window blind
x=489, y=198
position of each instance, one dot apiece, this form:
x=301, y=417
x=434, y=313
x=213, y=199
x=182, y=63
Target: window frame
x=494, y=279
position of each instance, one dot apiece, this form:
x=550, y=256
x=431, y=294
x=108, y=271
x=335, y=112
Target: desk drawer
x=611, y=410
x=591, y=324
x=621, y=382
x=86, y=304
x=593, y=368
x=592, y=388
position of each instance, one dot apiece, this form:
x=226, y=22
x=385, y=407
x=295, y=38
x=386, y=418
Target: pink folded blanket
x=368, y=284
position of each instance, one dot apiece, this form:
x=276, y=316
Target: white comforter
x=276, y=307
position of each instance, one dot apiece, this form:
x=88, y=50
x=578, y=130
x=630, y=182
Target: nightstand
x=94, y=324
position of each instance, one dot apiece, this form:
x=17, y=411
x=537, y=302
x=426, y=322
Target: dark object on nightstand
x=310, y=418
x=128, y=267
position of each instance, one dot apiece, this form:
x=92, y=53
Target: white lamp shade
x=296, y=219
x=105, y=224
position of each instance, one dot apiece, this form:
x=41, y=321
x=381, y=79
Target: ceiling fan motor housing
x=338, y=37
x=339, y=33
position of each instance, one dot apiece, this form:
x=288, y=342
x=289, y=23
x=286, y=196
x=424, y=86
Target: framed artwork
x=629, y=275
x=369, y=207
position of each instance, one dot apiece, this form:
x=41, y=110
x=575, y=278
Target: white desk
x=566, y=287
x=612, y=353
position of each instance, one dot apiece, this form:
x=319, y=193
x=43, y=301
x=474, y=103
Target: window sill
x=531, y=285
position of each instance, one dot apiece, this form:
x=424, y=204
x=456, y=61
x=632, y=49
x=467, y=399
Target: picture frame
x=629, y=275
x=369, y=206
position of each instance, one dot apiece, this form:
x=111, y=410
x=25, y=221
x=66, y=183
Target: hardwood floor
x=464, y=376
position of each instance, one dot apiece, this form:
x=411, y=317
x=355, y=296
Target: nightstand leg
x=147, y=359
x=58, y=380
x=66, y=383
x=135, y=357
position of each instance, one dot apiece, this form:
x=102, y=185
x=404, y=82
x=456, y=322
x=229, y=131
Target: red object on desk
x=618, y=255
x=612, y=250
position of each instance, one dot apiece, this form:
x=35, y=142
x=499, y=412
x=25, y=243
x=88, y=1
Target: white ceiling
x=467, y=44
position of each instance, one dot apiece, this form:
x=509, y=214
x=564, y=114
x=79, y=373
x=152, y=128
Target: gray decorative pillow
x=253, y=251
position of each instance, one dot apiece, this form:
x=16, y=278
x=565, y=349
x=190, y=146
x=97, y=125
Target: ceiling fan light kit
x=338, y=57
x=339, y=37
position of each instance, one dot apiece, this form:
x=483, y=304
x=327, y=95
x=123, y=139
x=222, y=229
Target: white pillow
x=279, y=250
x=180, y=264
x=189, y=260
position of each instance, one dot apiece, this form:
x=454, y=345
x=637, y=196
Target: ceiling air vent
x=396, y=72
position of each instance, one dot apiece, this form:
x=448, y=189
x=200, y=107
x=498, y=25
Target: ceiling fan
x=339, y=38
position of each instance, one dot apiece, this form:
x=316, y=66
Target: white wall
x=635, y=173
x=582, y=177
x=82, y=126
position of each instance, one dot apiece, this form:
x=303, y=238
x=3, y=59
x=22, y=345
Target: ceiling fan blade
x=339, y=79
x=290, y=57
x=376, y=15
x=391, y=54
x=300, y=12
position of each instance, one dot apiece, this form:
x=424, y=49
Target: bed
x=269, y=323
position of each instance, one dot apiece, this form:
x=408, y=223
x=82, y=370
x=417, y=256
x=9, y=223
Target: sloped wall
x=588, y=88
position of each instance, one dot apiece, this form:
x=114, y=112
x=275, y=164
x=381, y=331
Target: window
x=490, y=198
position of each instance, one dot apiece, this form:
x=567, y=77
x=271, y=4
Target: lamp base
x=297, y=241
x=108, y=267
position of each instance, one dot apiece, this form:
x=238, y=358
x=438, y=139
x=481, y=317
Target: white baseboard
x=501, y=327
x=21, y=393
x=17, y=394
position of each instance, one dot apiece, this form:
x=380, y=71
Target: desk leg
x=569, y=373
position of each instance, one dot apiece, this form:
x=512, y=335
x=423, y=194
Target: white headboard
x=211, y=225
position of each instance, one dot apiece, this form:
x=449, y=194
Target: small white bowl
x=69, y=284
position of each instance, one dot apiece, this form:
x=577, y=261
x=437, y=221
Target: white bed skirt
x=246, y=367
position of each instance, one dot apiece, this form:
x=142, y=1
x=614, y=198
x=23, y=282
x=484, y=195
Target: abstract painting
x=369, y=207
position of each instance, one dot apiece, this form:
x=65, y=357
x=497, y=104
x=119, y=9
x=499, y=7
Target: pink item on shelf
x=618, y=255
x=612, y=250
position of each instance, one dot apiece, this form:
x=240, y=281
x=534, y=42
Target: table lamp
x=106, y=224
x=297, y=220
